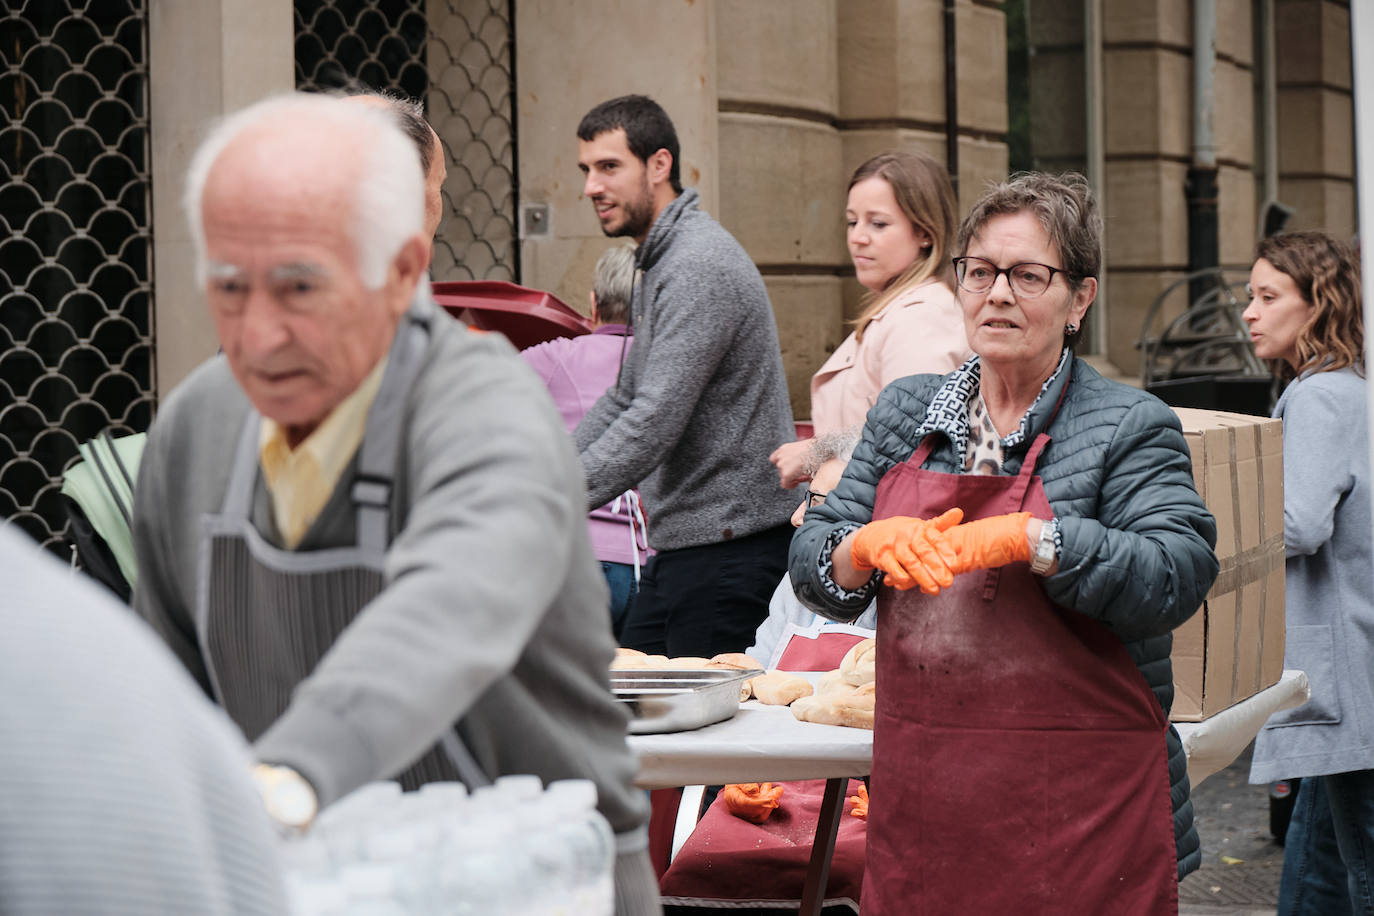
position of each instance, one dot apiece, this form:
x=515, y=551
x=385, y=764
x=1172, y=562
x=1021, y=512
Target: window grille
x=457, y=57
x=75, y=254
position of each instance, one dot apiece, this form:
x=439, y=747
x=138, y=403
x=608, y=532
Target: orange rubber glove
x=912, y=551
x=751, y=801
x=990, y=542
x=860, y=801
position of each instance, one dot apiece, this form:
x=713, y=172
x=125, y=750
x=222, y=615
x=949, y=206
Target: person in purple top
x=577, y=371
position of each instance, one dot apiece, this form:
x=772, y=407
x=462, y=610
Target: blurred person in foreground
x=900, y=223
x=336, y=520
x=1033, y=536
x=121, y=788
x=1305, y=315
x=577, y=371
x=700, y=401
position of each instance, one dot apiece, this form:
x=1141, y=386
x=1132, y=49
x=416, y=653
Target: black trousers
x=706, y=600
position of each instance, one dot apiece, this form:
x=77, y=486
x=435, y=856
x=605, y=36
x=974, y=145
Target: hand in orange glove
x=912, y=551
x=990, y=542
x=860, y=801
x=751, y=800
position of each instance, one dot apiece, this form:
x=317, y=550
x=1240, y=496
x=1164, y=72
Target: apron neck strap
x=1016, y=495
x=375, y=476
x=923, y=450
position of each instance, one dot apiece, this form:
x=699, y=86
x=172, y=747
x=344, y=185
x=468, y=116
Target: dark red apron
x=1019, y=761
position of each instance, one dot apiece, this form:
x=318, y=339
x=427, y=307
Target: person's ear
x=595, y=318
x=660, y=166
x=404, y=273
x=1082, y=298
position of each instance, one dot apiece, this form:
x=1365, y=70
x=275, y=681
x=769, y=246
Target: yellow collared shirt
x=300, y=480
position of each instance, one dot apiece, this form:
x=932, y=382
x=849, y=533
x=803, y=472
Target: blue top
x=1329, y=604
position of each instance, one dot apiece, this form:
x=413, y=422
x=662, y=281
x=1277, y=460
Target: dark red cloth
x=727, y=858
x=823, y=653
x=663, y=805
x=1019, y=759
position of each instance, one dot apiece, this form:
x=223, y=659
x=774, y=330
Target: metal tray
x=677, y=701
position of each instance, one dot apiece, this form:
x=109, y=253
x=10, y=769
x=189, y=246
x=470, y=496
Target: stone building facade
x=775, y=101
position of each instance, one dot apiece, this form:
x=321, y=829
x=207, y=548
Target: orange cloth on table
x=860, y=808
x=751, y=800
x=989, y=543
x=912, y=551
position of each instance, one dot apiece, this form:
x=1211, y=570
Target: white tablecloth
x=766, y=743
x=1214, y=742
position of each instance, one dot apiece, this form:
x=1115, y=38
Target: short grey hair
x=613, y=284
x=1066, y=209
x=410, y=114
x=836, y=446
x=388, y=196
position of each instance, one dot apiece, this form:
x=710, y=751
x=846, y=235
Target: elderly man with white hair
x=361, y=528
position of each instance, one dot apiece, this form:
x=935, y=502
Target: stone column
x=1148, y=52
x=572, y=56
x=781, y=172
x=1316, y=114
x=205, y=59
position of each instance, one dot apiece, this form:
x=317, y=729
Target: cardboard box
x=1232, y=648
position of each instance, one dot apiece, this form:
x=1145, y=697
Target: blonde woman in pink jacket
x=901, y=222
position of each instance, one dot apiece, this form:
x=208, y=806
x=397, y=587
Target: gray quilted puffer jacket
x=1137, y=540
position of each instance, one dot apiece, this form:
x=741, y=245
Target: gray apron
x=266, y=616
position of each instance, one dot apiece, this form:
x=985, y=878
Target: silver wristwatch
x=1043, y=557
x=286, y=794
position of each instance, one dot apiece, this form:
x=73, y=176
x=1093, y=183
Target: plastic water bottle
x=509, y=849
x=372, y=891
x=316, y=898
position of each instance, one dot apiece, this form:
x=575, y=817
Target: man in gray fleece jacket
x=700, y=403
x=363, y=529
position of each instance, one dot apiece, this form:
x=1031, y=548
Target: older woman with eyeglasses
x=1033, y=536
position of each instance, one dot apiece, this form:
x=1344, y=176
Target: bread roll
x=627, y=662
x=737, y=661
x=687, y=663
x=859, y=665
x=778, y=688
x=833, y=682
x=851, y=711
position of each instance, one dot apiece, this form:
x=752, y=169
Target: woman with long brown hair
x=900, y=224
x=1305, y=315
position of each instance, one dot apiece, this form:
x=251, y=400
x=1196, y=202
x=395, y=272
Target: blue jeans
x=1328, y=861
x=621, y=578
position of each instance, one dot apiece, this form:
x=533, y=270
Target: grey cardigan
x=493, y=609
x=1138, y=542
x=1329, y=583
x=701, y=400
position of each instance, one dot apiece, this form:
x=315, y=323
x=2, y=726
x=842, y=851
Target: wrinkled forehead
x=268, y=191
x=1021, y=229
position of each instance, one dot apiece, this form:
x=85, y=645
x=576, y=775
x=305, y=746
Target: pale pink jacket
x=920, y=332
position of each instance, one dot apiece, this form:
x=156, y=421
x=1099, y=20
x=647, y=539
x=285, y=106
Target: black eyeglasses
x=814, y=499
x=1027, y=278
